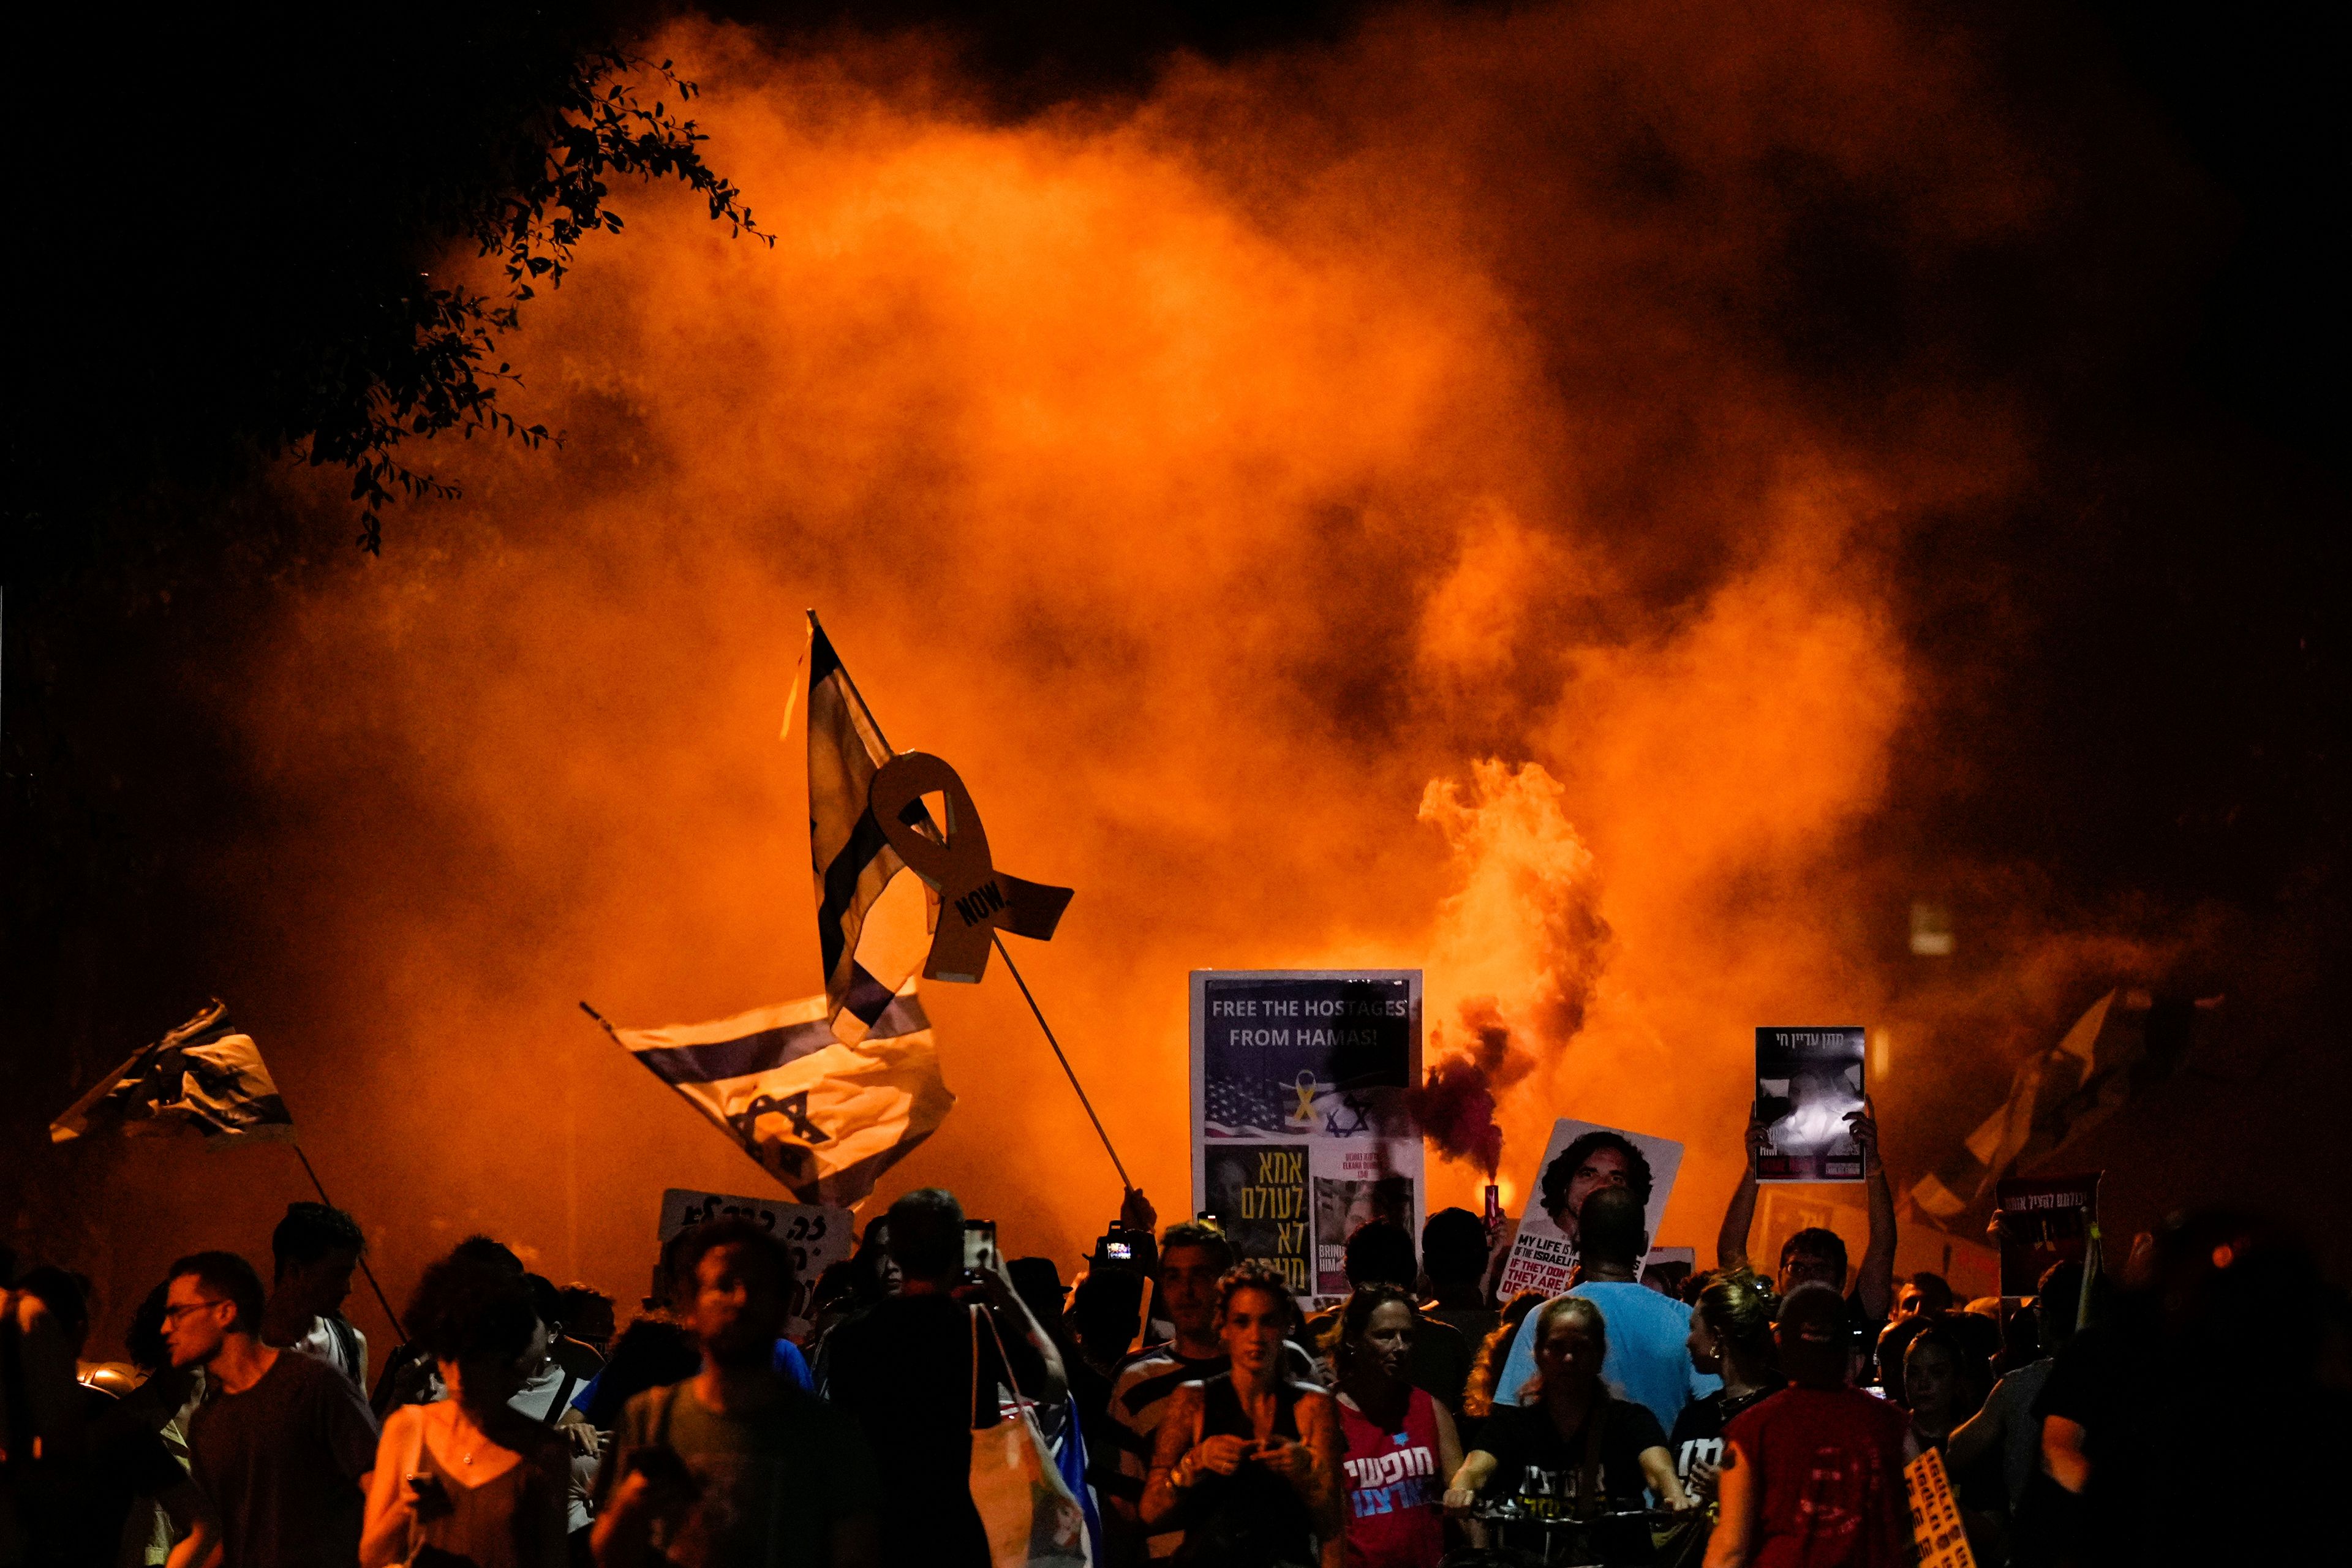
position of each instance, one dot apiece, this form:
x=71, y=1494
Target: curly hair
x=465, y=1305
x=1252, y=1274
x=1357, y=1316
x=1562, y=1171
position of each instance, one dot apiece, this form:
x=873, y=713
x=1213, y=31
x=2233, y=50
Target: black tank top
x=1253, y=1518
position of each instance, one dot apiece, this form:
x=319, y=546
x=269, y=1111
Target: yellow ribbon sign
x=975, y=898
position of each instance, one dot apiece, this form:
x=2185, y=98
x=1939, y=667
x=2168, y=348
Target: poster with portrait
x=1580, y=1158
x=1808, y=1082
x=2044, y=1221
x=1299, y=1131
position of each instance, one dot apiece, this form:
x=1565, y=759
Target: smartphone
x=980, y=1245
x=1120, y=1247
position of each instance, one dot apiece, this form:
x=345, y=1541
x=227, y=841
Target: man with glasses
x=283, y=1447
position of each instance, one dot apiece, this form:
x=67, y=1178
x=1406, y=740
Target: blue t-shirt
x=1648, y=1362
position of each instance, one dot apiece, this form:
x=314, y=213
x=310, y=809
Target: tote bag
x=1032, y=1518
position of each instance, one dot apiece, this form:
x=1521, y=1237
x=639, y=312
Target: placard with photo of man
x=1809, y=1087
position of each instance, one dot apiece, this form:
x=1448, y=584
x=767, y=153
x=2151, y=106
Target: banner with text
x=816, y=1235
x=2044, y=1221
x=1580, y=1158
x=1299, y=1132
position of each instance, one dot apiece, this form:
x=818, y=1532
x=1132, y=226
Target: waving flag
x=204, y=1077
x=825, y=1116
x=2127, y=1041
x=874, y=926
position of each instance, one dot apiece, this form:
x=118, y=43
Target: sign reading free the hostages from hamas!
x=1299, y=1127
x=1808, y=1082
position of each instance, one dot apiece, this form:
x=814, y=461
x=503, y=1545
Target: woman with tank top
x=1400, y=1442
x=468, y=1481
x=1248, y=1463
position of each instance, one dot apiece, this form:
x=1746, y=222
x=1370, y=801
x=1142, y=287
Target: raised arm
x=1731, y=1241
x=1874, y=1283
x=1014, y=1312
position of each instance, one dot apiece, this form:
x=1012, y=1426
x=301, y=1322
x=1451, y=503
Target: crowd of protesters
x=1184, y=1408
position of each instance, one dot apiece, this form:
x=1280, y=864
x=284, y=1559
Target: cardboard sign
x=817, y=1234
x=1808, y=1082
x=1299, y=1132
x=1936, y=1514
x=2044, y=1221
x=1544, y=1250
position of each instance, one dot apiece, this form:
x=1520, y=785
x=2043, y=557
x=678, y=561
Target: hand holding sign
x=975, y=898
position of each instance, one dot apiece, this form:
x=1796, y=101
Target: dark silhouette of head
x=483, y=1249
x=1610, y=1227
x=1453, y=1247
x=926, y=1234
x=1380, y=1252
x=1813, y=1337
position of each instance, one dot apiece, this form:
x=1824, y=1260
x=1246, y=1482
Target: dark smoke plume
x=1455, y=1104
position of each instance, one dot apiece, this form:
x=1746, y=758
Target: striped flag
x=206, y=1076
x=874, y=926
x=824, y=1115
x=2127, y=1041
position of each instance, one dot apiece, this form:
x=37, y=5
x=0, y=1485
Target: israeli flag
x=824, y=1115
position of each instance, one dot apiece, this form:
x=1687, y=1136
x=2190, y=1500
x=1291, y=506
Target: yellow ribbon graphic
x=975, y=898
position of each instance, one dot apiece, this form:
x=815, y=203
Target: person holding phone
x=903, y=1370
x=469, y=1478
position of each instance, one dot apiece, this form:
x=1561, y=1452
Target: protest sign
x=2044, y=1221
x=1936, y=1514
x=1581, y=1157
x=1299, y=1132
x=1808, y=1082
x=816, y=1235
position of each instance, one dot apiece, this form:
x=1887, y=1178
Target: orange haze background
x=1365, y=506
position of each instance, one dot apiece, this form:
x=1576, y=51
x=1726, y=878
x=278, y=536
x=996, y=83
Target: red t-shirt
x=1829, y=1463
x=1395, y=1490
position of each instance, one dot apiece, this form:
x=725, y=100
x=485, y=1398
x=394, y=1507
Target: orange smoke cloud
x=1418, y=428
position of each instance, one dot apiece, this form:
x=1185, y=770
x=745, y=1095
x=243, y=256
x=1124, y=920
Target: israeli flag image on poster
x=1299, y=1127
x=1808, y=1082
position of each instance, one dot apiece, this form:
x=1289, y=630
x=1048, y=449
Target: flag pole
x=1036, y=1012
x=380, y=1300
x=1058, y=1057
